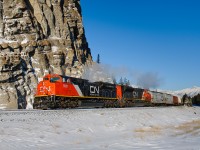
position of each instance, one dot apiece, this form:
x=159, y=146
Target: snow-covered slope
x=189, y=91
x=174, y=128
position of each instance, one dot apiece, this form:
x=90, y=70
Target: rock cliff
x=38, y=37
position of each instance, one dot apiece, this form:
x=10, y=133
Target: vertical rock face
x=38, y=37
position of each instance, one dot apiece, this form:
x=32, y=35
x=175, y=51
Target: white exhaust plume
x=97, y=72
x=106, y=73
x=149, y=80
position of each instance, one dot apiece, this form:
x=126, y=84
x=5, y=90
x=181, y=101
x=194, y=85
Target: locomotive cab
x=56, y=78
x=52, y=78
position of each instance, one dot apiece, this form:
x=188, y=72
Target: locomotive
x=57, y=91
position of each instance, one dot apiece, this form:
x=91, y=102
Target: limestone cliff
x=38, y=37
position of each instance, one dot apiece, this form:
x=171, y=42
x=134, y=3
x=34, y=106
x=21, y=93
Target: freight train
x=57, y=91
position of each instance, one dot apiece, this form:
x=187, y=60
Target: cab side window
x=45, y=78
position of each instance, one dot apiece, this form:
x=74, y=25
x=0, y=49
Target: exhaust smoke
x=106, y=73
x=149, y=80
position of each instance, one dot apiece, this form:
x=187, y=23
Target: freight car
x=158, y=98
x=57, y=91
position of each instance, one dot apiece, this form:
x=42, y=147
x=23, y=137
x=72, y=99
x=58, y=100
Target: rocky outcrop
x=38, y=37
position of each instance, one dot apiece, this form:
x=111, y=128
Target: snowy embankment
x=121, y=129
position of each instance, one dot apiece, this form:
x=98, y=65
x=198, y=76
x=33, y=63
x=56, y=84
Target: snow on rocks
x=33, y=42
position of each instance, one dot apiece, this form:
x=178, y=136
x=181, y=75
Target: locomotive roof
x=72, y=77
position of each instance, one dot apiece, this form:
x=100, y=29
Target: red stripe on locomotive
x=119, y=92
x=146, y=96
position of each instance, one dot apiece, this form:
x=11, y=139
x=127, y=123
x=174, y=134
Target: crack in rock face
x=37, y=38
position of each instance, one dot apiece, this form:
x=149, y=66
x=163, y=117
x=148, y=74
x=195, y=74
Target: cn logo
x=94, y=90
x=135, y=94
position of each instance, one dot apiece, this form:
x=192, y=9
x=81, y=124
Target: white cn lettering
x=94, y=90
x=135, y=94
x=41, y=89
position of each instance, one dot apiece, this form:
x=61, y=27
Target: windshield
x=54, y=79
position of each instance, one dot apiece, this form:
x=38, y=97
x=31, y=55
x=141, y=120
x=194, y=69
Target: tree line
x=187, y=100
x=196, y=99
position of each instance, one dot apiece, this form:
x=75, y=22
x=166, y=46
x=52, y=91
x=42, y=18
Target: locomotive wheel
x=73, y=104
x=62, y=104
x=108, y=104
x=116, y=104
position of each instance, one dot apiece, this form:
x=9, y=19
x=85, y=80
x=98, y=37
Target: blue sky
x=148, y=37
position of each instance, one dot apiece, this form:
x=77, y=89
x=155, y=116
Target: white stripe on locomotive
x=78, y=90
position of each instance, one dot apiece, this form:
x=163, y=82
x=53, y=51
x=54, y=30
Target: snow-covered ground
x=97, y=129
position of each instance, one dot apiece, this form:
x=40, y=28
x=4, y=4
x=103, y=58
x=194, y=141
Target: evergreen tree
x=121, y=82
x=124, y=81
x=114, y=80
x=196, y=99
x=187, y=100
x=98, y=59
x=128, y=83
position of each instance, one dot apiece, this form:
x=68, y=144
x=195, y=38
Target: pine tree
x=125, y=81
x=121, y=82
x=114, y=80
x=128, y=83
x=98, y=59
